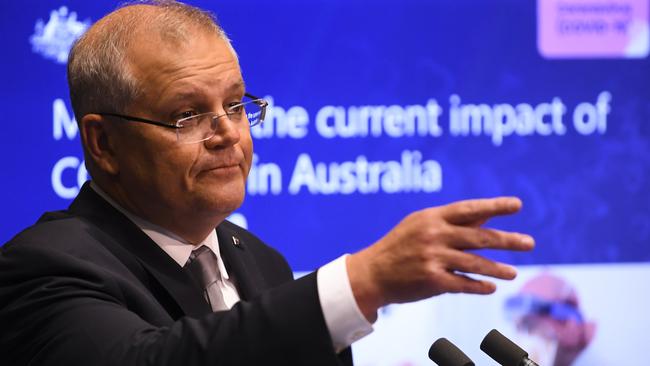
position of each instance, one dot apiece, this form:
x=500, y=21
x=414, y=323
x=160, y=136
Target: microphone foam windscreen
x=502, y=350
x=445, y=353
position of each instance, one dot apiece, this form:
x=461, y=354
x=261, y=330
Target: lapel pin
x=235, y=241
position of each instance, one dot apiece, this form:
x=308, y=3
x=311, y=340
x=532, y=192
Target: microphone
x=445, y=353
x=504, y=351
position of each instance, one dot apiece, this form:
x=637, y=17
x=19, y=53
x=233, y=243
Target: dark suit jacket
x=87, y=287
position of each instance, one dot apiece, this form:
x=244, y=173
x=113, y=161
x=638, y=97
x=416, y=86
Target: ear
x=99, y=141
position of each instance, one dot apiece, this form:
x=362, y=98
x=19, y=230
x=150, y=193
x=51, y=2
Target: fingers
x=460, y=283
x=470, y=212
x=425, y=254
x=475, y=264
x=482, y=238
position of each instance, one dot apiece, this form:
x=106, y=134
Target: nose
x=226, y=132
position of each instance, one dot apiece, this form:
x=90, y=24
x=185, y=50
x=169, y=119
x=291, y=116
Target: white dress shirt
x=345, y=322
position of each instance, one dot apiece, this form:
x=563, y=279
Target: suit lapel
x=169, y=275
x=240, y=263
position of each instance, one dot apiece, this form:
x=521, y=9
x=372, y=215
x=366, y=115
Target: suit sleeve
x=60, y=310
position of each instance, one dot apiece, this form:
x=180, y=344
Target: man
x=120, y=277
x=549, y=321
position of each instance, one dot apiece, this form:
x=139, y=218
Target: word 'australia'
x=410, y=174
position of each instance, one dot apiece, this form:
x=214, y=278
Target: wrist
x=366, y=292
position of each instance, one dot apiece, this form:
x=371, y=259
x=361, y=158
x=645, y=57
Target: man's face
x=162, y=176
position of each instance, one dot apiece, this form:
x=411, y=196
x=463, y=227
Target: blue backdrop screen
x=379, y=110
x=382, y=108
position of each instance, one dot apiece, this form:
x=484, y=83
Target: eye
x=237, y=107
x=186, y=114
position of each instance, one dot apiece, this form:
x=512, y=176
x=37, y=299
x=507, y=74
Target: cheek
x=247, y=147
x=185, y=163
x=171, y=168
x=136, y=163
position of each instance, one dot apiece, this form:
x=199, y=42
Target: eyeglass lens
x=203, y=126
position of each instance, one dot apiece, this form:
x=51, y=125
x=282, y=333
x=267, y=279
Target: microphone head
x=502, y=350
x=445, y=353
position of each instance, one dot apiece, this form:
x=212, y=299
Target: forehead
x=203, y=63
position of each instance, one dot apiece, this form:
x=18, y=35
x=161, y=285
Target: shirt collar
x=176, y=247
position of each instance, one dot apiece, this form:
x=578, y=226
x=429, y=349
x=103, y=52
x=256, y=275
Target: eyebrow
x=193, y=92
x=238, y=84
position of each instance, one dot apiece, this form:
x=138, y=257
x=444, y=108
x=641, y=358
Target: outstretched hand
x=425, y=255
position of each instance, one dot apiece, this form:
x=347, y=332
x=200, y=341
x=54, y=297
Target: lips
x=225, y=164
x=223, y=167
x=221, y=172
x=222, y=160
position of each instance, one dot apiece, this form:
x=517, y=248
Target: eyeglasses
x=203, y=126
x=520, y=305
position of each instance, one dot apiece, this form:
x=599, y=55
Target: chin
x=218, y=192
x=224, y=200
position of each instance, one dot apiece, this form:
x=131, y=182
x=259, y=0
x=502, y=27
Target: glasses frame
x=259, y=101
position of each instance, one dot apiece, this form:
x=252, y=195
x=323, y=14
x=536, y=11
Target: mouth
x=224, y=166
x=222, y=169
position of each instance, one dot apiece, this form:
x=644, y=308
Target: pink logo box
x=593, y=28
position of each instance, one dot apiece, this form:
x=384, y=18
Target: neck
x=192, y=228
